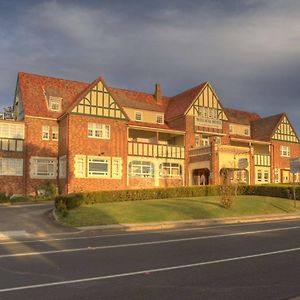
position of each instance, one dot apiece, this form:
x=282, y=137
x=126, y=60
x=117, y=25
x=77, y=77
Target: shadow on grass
x=281, y=208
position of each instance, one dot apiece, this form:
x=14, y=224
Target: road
x=247, y=261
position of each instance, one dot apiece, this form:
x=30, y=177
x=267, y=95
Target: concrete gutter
x=191, y=223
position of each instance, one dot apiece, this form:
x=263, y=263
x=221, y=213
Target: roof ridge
x=194, y=87
x=135, y=91
x=245, y=111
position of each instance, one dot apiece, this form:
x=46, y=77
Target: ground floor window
x=139, y=168
x=259, y=175
x=98, y=167
x=266, y=176
x=43, y=167
x=11, y=166
x=170, y=170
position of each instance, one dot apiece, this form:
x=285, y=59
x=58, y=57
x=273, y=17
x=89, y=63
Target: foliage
x=47, y=190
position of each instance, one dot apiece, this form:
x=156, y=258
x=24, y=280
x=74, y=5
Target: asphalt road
x=248, y=261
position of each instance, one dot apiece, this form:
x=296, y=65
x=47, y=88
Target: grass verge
x=174, y=210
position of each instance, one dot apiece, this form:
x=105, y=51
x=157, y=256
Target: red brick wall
x=80, y=144
x=170, y=182
x=141, y=183
x=35, y=146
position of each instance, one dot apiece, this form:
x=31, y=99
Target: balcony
x=155, y=150
x=262, y=160
x=200, y=151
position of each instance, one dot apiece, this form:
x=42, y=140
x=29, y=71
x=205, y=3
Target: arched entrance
x=201, y=176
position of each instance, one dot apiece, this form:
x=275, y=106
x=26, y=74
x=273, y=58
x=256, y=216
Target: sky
x=248, y=50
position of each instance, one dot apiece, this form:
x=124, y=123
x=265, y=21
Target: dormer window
x=138, y=116
x=159, y=119
x=55, y=103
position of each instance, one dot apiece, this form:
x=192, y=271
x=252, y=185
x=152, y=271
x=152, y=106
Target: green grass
x=174, y=210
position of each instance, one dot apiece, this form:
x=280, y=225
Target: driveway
x=27, y=220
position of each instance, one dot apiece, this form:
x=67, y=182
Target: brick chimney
x=158, y=95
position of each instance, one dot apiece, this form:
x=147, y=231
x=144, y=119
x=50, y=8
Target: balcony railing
x=155, y=150
x=200, y=151
x=11, y=145
x=262, y=160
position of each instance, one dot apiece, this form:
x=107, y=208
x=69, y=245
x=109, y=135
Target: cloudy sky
x=249, y=50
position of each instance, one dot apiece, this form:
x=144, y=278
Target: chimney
x=157, y=95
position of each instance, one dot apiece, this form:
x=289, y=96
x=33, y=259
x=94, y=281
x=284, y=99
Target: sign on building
x=243, y=163
x=295, y=165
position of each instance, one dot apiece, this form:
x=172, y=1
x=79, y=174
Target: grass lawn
x=174, y=210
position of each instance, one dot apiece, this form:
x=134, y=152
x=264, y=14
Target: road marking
x=135, y=233
x=149, y=271
x=89, y=248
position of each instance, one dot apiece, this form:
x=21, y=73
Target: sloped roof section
x=179, y=103
x=240, y=117
x=138, y=100
x=35, y=90
x=262, y=129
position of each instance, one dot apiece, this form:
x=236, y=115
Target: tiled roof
x=138, y=100
x=179, y=104
x=263, y=128
x=240, y=117
x=35, y=89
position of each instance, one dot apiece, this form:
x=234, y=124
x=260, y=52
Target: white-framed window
x=98, y=167
x=99, y=131
x=159, y=119
x=11, y=130
x=218, y=140
x=11, y=166
x=266, y=176
x=230, y=128
x=197, y=140
x=45, y=133
x=285, y=151
x=139, y=168
x=43, y=167
x=246, y=131
x=55, y=104
x=276, y=176
x=170, y=170
x=205, y=142
x=116, y=167
x=138, y=116
x=259, y=175
x=80, y=166
x=62, y=166
x=54, y=133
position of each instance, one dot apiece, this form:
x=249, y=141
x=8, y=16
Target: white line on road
x=134, y=233
x=199, y=264
x=145, y=243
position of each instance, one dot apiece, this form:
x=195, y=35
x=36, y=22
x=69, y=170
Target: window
x=246, y=131
x=55, y=103
x=230, y=129
x=116, y=169
x=266, y=176
x=43, y=167
x=141, y=169
x=276, y=175
x=98, y=167
x=62, y=166
x=138, y=116
x=170, y=170
x=159, y=119
x=205, y=142
x=80, y=166
x=55, y=133
x=99, y=131
x=259, y=175
x=12, y=131
x=197, y=140
x=285, y=151
x=45, y=132
x=11, y=166
x=218, y=140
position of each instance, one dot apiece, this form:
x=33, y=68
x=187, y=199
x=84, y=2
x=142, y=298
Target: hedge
x=64, y=203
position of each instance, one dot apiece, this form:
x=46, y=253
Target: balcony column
x=214, y=177
x=251, y=164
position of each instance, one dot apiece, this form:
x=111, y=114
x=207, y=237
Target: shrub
x=47, y=190
x=4, y=198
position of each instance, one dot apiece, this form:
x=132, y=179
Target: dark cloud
x=249, y=50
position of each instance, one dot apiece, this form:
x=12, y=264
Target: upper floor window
x=207, y=112
x=197, y=140
x=137, y=116
x=55, y=103
x=230, y=128
x=285, y=151
x=11, y=166
x=218, y=140
x=45, y=132
x=55, y=133
x=246, y=131
x=205, y=142
x=99, y=131
x=159, y=119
